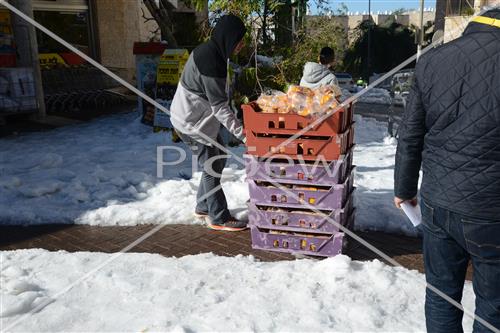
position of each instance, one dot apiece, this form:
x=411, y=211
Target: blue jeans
x=210, y=197
x=450, y=241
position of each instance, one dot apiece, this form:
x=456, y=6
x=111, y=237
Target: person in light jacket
x=318, y=74
x=199, y=107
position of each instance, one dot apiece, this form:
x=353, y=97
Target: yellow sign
x=171, y=65
x=50, y=59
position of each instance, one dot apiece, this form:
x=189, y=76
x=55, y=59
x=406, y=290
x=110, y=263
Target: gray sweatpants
x=210, y=197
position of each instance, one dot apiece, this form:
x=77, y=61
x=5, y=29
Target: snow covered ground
x=147, y=293
x=104, y=173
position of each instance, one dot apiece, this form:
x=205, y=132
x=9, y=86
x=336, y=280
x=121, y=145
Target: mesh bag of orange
x=300, y=100
x=273, y=102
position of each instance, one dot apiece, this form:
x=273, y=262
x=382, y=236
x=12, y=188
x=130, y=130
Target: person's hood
x=228, y=32
x=211, y=57
x=473, y=27
x=314, y=72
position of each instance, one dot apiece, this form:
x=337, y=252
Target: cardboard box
x=17, y=87
x=21, y=82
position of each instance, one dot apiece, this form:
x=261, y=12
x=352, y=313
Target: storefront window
x=71, y=26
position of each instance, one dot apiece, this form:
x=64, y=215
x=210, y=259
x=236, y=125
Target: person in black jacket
x=451, y=128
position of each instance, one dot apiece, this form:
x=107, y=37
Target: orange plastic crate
x=288, y=123
x=307, y=148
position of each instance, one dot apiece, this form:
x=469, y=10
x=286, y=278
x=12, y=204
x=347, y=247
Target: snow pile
x=169, y=202
x=376, y=96
x=207, y=293
x=19, y=295
x=104, y=173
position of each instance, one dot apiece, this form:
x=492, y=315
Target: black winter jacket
x=451, y=126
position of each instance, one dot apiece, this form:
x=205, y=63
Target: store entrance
x=72, y=21
x=72, y=87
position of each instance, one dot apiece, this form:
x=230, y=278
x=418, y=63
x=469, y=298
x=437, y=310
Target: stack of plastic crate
x=297, y=189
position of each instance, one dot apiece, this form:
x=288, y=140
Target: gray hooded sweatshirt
x=317, y=75
x=201, y=102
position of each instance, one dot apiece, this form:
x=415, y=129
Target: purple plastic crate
x=320, y=173
x=307, y=244
x=325, y=245
x=328, y=198
x=290, y=219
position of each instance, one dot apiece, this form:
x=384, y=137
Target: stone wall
x=454, y=26
x=355, y=20
x=118, y=24
x=414, y=17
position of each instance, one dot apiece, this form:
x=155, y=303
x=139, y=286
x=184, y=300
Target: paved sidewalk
x=181, y=240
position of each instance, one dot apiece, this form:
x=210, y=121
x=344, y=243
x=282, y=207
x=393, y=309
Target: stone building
x=105, y=29
x=351, y=22
x=458, y=13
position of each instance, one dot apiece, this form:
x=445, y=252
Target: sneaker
x=200, y=215
x=231, y=225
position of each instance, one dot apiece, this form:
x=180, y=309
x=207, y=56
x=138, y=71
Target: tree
x=428, y=31
x=162, y=10
x=325, y=7
x=263, y=18
x=391, y=44
x=399, y=11
x=342, y=10
x=257, y=14
x=318, y=32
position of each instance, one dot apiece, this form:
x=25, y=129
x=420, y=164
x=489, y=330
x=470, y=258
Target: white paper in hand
x=413, y=213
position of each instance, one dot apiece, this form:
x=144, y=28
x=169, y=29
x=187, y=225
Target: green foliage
x=324, y=7
x=247, y=82
x=250, y=11
x=316, y=33
x=467, y=11
x=243, y=9
x=199, y=5
x=319, y=32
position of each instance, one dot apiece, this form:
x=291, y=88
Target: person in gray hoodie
x=199, y=107
x=318, y=74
